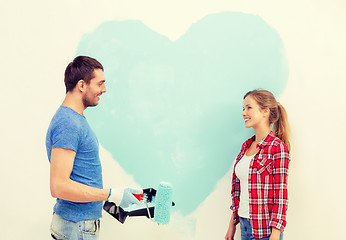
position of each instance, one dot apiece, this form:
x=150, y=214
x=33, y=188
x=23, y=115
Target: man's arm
x=61, y=186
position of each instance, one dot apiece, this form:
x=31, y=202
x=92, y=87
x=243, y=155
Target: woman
x=259, y=182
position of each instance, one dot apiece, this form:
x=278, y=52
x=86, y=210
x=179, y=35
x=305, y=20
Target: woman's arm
x=280, y=193
x=231, y=229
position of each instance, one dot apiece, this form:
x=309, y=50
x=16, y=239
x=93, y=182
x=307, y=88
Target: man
x=73, y=152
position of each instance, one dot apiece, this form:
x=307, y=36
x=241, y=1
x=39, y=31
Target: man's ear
x=81, y=85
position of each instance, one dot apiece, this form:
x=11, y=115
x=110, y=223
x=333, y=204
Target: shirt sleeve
x=280, y=175
x=66, y=135
x=235, y=193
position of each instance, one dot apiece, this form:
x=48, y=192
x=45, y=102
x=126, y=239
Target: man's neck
x=74, y=102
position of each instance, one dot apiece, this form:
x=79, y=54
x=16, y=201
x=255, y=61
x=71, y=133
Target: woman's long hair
x=278, y=114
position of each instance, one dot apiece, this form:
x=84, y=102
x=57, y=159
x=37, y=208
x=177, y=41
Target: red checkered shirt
x=267, y=186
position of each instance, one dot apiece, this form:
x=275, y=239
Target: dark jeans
x=246, y=230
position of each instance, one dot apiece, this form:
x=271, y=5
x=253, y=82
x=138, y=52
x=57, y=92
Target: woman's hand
x=230, y=233
x=231, y=230
x=275, y=234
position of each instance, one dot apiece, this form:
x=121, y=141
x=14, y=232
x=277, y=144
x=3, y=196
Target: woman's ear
x=266, y=112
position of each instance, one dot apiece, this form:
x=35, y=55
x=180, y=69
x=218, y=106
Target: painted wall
x=176, y=72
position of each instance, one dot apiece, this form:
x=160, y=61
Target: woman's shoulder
x=277, y=143
x=248, y=142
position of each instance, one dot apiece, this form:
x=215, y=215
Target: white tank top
x=242, y=172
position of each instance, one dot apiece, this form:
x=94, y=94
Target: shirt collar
x=248, y=142
x=267, y=140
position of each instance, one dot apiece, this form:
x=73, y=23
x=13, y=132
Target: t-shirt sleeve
x=65, y=135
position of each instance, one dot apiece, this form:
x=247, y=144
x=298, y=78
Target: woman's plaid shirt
x=267, y=186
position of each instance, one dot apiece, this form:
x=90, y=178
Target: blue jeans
x=62, y=229
x=246, y=230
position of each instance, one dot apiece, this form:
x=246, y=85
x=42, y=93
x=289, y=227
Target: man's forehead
x=98, y=75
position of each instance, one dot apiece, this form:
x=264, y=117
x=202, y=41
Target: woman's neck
x=261, y=133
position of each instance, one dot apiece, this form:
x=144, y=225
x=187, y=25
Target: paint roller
x=163, y=203
x=154, y=204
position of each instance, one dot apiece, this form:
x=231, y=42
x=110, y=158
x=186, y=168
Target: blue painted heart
x=172, y=111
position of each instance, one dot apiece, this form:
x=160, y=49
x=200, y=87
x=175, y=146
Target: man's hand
x=123, y=197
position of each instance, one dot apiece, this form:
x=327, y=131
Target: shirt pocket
x=264, y=167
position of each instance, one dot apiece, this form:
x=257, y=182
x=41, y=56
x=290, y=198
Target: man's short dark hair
x=81, y=68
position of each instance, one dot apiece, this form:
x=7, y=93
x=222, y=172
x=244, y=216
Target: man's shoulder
x=66, y=118
x=66, y=113
x=65, y=130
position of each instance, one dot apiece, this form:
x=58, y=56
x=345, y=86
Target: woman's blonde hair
x=278, y=114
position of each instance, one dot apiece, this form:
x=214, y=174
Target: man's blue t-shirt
x=70, y=130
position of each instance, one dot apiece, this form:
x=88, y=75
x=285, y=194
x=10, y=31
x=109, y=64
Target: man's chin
x=90, y=105
x=93, y=105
